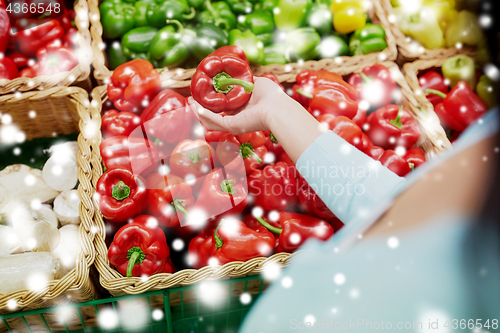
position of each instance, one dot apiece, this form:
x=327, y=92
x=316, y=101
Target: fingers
x=212, y=121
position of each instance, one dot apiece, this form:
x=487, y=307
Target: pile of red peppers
x=153, y=185
x=37, y=49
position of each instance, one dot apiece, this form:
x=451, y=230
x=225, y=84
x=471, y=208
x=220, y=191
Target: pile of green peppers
x=173, y=33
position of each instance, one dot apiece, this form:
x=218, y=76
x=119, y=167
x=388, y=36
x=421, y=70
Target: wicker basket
x=181, y=78
x=78, y=76
x=407, y=51
x=433, y=140
x=75, y=285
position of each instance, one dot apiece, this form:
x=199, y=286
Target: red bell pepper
x=170, y=198
x=166, y=117
x=296, y=229
x=51, y=60
x=231, y=241
x=135, y=154
x=8, y=69
x=331, y=94
x=461, y=107
x=222, y=83
x=29, y=41
x=213, y=136
x=4, y=29
x=274, y=187
x=66, y=19
x=222, y=193
x=395, y=163
x=272, y=144
x=121, y=195
x=20, y=60
x=415, y=157
x=169, y=267
x=70, y=39
x=133, y=85
x=194, y=158
x=392, y=126
x=139, y=248
x=251, y=147
x=375, y=152
x=367, y=143
x=115, y=123
x=312, y=202
x=273, y=78
x=433, y=80
x=345, y=128
x=305, y=83
x=360, y=117
x=233, y=50
x=374, y=85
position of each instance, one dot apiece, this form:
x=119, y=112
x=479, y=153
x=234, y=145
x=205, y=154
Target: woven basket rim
x=116, y=283
x=405, y=48
x=180, y=77
x=77, y=279
x=79, y=73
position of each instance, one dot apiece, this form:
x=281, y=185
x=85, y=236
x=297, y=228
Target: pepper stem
x=303, y=93
x=268, y=226
x=195, y=157
x=218, y=241
x=366, y=79
x=135, y=256
x=178, y=24
x=157, y=141
x=435, y=92
x=273, y=138
x=191, y=15
x=227, y=185
x=412, y=166
x=223, y=83
x=247, y=150
x=177, y=203
x=120, y=191
x=397, y=122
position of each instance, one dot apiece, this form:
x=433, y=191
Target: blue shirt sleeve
x=347, y=180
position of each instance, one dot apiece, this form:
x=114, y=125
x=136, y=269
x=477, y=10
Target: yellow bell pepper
x=444, y=10
x=348, y=15
x=423, y=27
x=464, y=29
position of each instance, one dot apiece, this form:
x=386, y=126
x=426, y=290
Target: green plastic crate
x=204, y=307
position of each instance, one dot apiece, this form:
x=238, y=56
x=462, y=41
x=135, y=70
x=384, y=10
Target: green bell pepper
x=487, y=90
x=140, y=17
x=332, y=47
x=267, y=5
x=302, y=44
x=274, y=54
x=196, y=4
x=261, y=23
x=253, y=47
x=369, y=39
x=464, y=29
x=240, y=6
x=137, y=41
x=117, y=18
x=115, y=54
x=291, y=14
x=218, y=13
x=460, y=68
x=167, y=47
x=208, y=38
x=321, y=19
x=160, y=11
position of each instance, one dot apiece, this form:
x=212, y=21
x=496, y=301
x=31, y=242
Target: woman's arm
x=346, y=179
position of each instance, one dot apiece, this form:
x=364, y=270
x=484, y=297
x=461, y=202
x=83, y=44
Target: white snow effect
x=269, y=158
x=354, y=293
x=212, y=293
x=273, y=215
x=178, y=244
x=295, y=238
x=257, y=211
x=37, y=281
x=196, y=217
x=339, y=279
x=213, y=262
x=393, y=242
x=16, y=151
x=11, y=304
x=108, y=319
x=334, y=310
x=345, y=149
x=309, y=319
x=433, y=315
x=245, y=298
x=30, y=180
x=271, y=271
x=492, y=72
x=286, y=282
x=157, y=314
x=152, y=222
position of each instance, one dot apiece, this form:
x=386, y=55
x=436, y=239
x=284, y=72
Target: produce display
x=37, y=49
x=39, y=219
x=438, y=24
x=155, y=186
x=180, y=33
x=459, y=92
